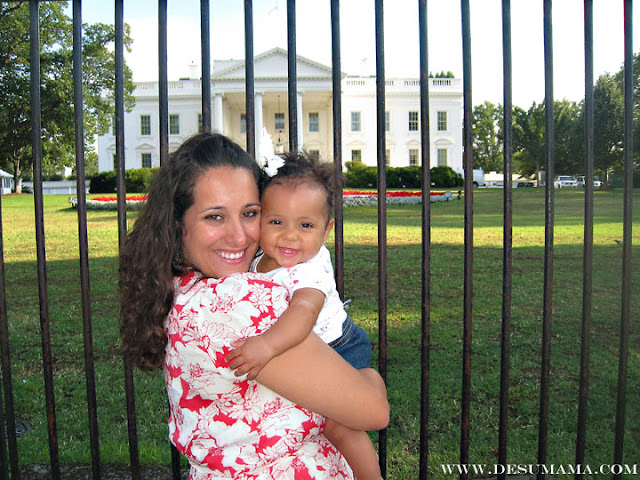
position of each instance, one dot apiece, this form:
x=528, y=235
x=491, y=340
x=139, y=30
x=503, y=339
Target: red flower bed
x=389, y=194
x=134, y=198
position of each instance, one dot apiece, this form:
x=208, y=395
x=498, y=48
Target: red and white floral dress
x=228, y=426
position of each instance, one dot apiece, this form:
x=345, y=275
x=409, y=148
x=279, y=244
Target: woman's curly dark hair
x=304, y=167
x=152, y=253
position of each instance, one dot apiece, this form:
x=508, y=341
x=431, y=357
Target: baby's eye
x=306, y=225
x=275, y=222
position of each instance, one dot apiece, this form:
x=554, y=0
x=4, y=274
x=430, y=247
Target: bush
x=404, y=177
x=444, y=176
x=104, y=182
x=135, y=181
x=54, y=177
x=358, y=175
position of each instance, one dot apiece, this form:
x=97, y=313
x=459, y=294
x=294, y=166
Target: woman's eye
x=251, y=213
x=213, y=216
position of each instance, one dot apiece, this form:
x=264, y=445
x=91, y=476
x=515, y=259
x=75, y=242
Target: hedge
x=135, y=181
x=359, y=175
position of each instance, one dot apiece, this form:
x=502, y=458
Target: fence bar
x=292, y=76
x=468, y=238
x=507, y=257
x=336, y=76
x=163, y=94
x=132, y=429
x=78, y=103
x=587, y=268
x=382, y=218
x=548, y=244
x=40, y=239
x=7, y=414
x=626, y=235
x=426, y=240
x=249, y=78
x=205, y=42
x=7, y=411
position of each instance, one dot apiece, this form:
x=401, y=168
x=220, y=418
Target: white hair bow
x=273, y=164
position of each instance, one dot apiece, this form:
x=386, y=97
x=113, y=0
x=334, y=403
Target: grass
x=404, y=330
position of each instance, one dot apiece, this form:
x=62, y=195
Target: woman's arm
x=315, y=377
x=251, y=354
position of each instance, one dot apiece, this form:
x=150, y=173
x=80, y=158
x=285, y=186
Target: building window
x=314, y=122
x=243, y=123
x=146, y=160
x=413, y=157
x=387, y=122
x=113, y=126
x=442, y=121
x=174, y=124
x=314, y=154
x=115, y=166
x=413, y=121
x=387, y=157
x=145, y=124
x=200, y=124
x=442, y=157
x=356, y=155
x=355, y=122
x=279, y=121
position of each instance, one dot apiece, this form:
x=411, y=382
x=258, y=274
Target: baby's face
x=294, y=222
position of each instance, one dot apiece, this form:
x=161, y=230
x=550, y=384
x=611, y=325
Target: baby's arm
x=292, y=327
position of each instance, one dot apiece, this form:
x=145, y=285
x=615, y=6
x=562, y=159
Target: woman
x=186, y=298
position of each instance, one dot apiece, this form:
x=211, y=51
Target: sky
x=401, y=39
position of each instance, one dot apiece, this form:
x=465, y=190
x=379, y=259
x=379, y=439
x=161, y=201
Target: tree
x=529, y=135
x=443, y=74
x=608, y=123
x=56, y=90
x=487, y=137
x=528, y=140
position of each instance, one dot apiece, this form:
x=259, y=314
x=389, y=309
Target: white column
x=259, y=126
x=300, y=121
x=218, y=121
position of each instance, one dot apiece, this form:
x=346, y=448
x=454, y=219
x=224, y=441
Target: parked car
x=525, y=184
x=565, y=181
x=580, y=182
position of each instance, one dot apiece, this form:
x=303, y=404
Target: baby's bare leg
x=357, y=449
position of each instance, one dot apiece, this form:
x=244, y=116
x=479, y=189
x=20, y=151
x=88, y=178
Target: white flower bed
x=351, y=200
x=371, y=200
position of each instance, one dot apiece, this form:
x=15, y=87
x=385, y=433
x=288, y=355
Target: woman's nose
x=236, y=233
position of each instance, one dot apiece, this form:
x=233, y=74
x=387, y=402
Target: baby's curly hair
x=302, y=167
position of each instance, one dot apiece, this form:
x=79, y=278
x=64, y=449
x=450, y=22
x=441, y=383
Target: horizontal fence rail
x=9, y=454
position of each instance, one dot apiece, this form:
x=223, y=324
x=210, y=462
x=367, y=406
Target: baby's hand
x=250, y=356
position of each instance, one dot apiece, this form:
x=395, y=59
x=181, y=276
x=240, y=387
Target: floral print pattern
x=228, y=426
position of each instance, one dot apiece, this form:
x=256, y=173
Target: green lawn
x=404, y=301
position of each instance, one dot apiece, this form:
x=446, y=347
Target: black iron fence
x=10, y=465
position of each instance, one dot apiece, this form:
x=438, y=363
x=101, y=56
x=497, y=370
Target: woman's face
x=221, y=230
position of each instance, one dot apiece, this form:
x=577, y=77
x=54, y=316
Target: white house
x=7, y=182
x=314, y=107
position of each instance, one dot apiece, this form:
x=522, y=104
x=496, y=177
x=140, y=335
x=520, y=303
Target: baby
x=297, y=203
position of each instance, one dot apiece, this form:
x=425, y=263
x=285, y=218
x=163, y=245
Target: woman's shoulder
x=256, y=288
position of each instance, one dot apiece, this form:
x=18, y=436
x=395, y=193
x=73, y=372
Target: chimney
x=194, y=71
